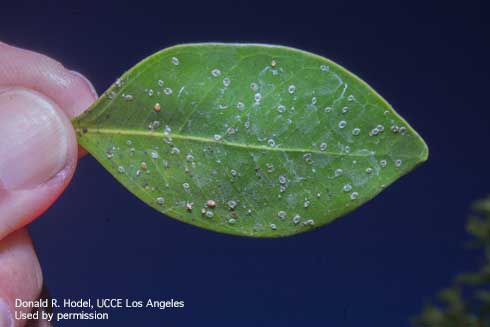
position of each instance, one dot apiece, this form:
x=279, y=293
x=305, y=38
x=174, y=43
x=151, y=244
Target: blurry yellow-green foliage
x=466, y=303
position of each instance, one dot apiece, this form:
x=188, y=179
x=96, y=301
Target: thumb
x=37, y=156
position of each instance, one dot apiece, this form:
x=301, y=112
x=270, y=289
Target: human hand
x=38, y=155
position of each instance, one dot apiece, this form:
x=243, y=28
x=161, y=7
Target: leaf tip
x=424, y=154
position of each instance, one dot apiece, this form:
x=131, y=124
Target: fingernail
x=6, y=319
x=33, y=139
x=87, y=82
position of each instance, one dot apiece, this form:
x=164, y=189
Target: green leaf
x=252, y=140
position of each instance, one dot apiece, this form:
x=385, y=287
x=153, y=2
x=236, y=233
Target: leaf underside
x=252, y=140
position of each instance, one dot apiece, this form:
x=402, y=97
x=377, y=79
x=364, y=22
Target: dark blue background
x=375, y=267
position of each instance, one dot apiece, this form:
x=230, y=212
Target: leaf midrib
x=113, y=131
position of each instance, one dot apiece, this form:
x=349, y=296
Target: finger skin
x=20, y=272
x=71, y=92
x=19, y=207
